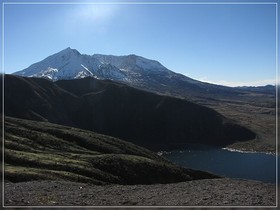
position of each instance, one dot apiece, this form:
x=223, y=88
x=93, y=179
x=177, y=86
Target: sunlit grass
x=44, y=151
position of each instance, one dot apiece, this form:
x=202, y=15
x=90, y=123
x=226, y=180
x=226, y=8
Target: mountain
x=154, y=121
x=133, y=70
x=70, y=64
x=44, y=151
x=252, y=107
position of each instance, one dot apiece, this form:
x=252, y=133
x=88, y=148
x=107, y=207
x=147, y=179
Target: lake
x=256, y=166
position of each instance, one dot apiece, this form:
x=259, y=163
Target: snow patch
x=87, y=69
x=70, y=64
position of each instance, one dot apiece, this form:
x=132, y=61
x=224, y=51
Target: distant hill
x=44, y=151
x=150, y=120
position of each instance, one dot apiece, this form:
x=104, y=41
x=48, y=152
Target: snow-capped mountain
x=133, y=70
x=70, y=64
x=131, y=62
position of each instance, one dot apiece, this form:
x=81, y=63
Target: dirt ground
x=208, y=192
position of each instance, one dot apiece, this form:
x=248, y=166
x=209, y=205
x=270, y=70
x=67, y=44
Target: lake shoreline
x=230, y=148
x=226, y=162
x=242, y=150
x=256, y=145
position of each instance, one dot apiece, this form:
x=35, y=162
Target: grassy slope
x=39, y=151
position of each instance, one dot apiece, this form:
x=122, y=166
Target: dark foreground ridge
x=154, y=121
x=45, y=151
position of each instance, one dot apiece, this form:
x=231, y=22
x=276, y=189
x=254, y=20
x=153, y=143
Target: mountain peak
x=70, y=50
x=71, y=64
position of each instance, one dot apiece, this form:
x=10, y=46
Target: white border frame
x=138, y=3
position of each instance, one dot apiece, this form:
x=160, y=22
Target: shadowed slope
x=39, y=99
x=147, y=119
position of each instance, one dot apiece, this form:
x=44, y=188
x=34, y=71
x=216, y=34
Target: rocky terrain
x=207, y=192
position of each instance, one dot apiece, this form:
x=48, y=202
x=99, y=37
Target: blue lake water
x=256, y=166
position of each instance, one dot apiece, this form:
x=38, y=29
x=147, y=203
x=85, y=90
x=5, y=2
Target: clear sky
x=229, y=44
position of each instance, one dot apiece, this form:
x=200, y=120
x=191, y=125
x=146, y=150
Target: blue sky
x=221, y=43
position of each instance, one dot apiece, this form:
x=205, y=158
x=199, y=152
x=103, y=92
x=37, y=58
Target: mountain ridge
x=81, y=65
x=157, y=122
x=133, y=70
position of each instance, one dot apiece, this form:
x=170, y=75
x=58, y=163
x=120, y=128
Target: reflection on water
x=257, y=166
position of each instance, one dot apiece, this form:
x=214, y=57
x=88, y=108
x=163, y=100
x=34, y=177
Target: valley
x=260, y=119
x=84, y=130
x=139, y=104
x=251, y=107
